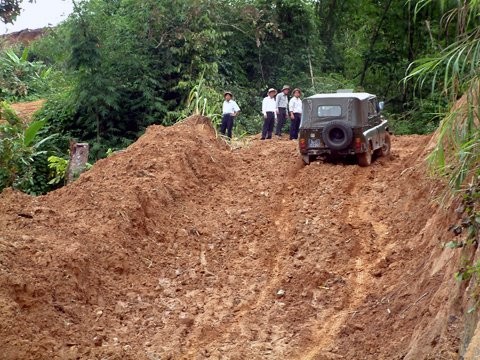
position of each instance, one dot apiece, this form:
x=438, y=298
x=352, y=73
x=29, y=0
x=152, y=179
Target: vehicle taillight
x=303, y=143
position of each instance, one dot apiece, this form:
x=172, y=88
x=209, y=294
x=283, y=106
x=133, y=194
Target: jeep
x=343, y=123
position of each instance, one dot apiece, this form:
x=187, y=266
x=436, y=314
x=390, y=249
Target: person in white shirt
x=229, y=111
x=268, y=109
x=295, y=106
x=282, y=110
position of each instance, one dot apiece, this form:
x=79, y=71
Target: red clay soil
x=180, y=248
x=25, y=36
x=25, y=110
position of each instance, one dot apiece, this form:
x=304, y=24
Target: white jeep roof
x=356, y=95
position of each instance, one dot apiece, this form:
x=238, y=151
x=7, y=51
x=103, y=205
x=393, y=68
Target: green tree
x=10, y=9
x=20, y=77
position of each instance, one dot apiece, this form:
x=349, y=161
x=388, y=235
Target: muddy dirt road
x=181, y=248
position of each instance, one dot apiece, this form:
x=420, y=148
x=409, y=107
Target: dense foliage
x=453, y=71
x=23, y=153
x=20, y=78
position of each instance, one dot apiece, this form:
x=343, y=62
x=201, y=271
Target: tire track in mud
x=362, y=216
x=348, y=200
x=283, y=221
x=285, y=227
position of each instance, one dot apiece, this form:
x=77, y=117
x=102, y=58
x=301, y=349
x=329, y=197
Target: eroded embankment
x=181, y=248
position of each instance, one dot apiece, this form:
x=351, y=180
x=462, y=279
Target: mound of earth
x=25, y=36
x=181, y=248
x=25, y=110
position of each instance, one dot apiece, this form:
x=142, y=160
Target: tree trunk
x=311, y=70
x=78, y=160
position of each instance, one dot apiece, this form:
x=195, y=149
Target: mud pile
x=180, y=248
x=26, y=110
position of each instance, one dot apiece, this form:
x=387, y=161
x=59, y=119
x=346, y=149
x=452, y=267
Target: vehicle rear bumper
x=327, y=151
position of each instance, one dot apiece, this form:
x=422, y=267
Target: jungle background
x=117, y=66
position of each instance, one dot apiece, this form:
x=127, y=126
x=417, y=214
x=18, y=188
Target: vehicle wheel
x=365, y=158
x=337, y=135
x=385, y=149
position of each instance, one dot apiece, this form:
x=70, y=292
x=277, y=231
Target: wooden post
x=78, y=160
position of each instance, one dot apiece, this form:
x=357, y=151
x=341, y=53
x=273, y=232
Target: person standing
x=295, y=106
x=281, y=109
x=268, y=110
x=229, y=111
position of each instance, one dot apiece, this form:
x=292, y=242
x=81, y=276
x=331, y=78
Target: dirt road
x=181, y=248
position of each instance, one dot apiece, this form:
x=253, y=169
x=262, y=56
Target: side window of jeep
x=373, y=118
x=371, y=109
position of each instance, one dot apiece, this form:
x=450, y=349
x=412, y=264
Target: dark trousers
x=268, y=124
x=295, y=125
x=227, y=124
x=281, y=116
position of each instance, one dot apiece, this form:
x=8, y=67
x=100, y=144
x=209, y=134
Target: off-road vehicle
x=343, y=123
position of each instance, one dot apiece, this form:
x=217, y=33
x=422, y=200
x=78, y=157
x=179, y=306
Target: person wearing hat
x=295, y=106
x=229, y=111
x=281, y=109
x=268, y=110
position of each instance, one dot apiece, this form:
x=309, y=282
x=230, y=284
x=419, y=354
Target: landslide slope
x=180, y=248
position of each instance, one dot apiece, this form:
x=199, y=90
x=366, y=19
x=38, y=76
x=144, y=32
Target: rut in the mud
x=181, y=248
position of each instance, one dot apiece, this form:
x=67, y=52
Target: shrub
x=23, y=154
x=20, y=78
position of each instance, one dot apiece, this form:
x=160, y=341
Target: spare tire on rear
x=337, y=135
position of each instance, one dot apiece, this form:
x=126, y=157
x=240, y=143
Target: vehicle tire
x=385, y=149
x=337, y=135
x=365, y=158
